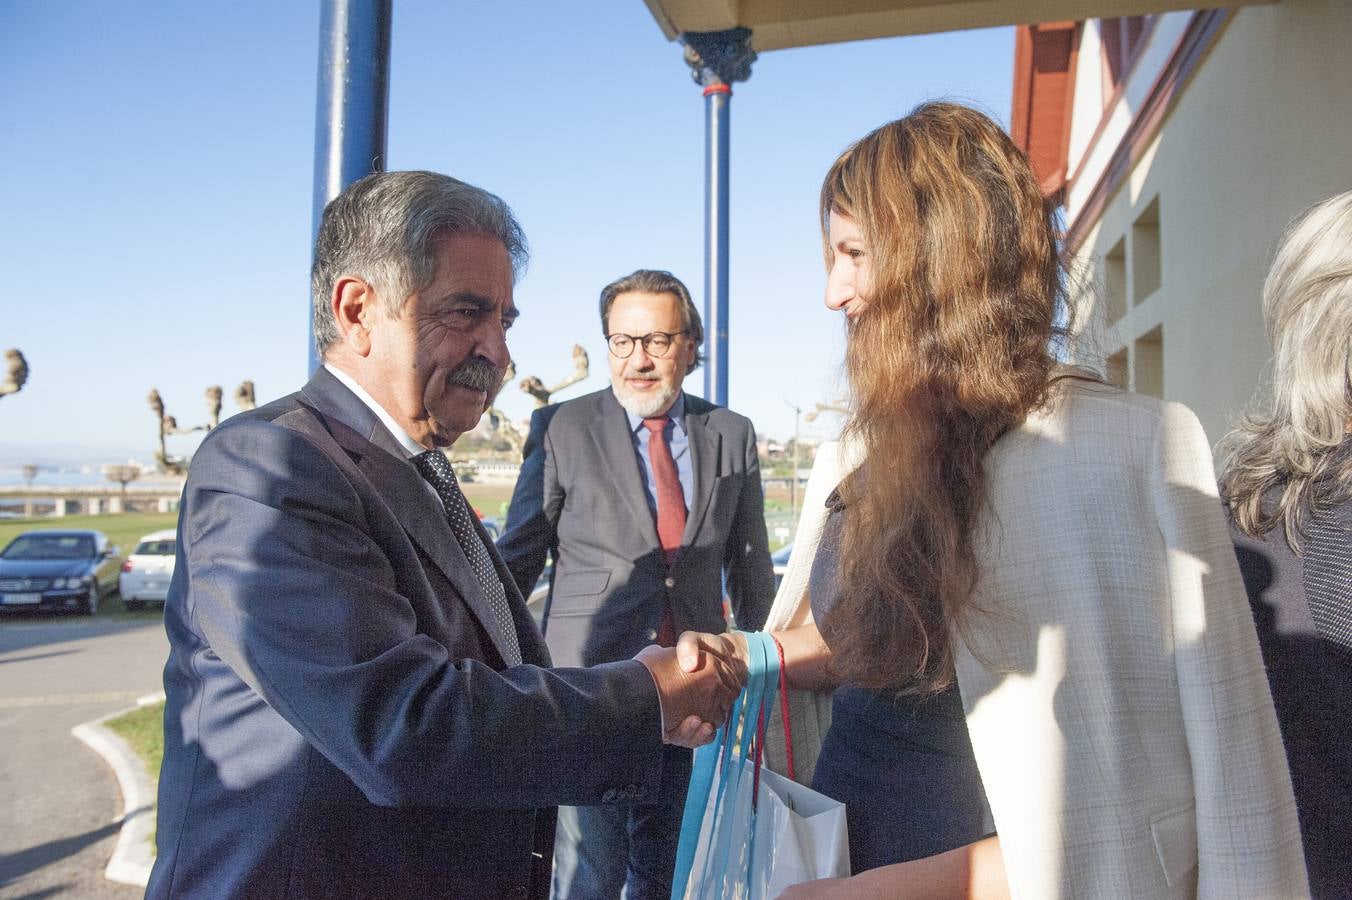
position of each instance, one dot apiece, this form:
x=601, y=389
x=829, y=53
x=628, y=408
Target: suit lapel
x=615, y=443
x=705, y=449
x=381, y=459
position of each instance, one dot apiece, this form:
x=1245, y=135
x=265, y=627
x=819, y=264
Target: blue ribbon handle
x=722, y=760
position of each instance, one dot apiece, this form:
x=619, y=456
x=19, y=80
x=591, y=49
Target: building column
x=62, y=507
x=165, y=504
x=114, y=504
x=351, y=114
x=716, y=60
x=93, y=506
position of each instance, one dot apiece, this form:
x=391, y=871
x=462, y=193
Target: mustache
x=477, y=375
x=631, y=375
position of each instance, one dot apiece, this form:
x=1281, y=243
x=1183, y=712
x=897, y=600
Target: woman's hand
x=730, y=647
x=805, y=654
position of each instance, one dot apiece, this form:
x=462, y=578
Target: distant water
x=73, y=478
x=54, y=479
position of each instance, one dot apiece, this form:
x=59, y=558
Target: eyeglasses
x=656, y=344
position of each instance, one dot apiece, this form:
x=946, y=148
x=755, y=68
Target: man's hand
x=694, y=648
x=695, y=700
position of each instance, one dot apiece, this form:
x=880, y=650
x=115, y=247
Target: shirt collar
x=411, y=447
x=676, y=414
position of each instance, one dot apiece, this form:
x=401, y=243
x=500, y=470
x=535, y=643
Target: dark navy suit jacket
x=339, y=722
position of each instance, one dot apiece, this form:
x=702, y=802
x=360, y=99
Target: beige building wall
x=1262, y=131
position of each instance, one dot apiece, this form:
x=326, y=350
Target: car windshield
x=155, y=548
x=50, y=546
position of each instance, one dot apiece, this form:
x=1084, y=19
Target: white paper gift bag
x=749, y=833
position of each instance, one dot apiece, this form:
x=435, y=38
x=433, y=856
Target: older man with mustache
x=359, y=704
x=650, y=501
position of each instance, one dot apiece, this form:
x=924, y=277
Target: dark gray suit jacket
x=339, y=723
x=581, y=496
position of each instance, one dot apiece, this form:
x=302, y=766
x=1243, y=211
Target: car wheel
x=91, y=604
x=133, y=604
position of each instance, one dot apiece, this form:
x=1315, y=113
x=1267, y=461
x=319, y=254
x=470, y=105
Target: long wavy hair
x=953, y=350
x=1284, y=458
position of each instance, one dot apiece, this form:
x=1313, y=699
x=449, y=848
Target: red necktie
x=670, y=508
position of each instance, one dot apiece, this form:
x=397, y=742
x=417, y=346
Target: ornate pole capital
x=718, y=58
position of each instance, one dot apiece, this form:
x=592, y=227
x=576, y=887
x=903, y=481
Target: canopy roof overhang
x=779, y=24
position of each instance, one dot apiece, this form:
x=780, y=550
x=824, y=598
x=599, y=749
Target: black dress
x=1302, y=606
x=902, y=765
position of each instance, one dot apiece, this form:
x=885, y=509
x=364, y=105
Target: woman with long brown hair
x=1047, y=683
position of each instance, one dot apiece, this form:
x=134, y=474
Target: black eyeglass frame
x=646, y=339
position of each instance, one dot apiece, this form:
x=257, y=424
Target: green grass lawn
x=124, y=530
x=143, y=729
x=489, y=498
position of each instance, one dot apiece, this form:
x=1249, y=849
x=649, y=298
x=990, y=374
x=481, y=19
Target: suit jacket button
x=652, y=634
x=610, y=795
x=670, y=582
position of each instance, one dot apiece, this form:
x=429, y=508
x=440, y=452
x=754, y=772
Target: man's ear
x=355, y=307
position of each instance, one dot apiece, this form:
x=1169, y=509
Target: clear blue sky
x=157, y=171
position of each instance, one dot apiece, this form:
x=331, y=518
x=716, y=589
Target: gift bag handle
x=715, y=760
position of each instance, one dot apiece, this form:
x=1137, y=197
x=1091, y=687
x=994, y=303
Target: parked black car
x=57, y=570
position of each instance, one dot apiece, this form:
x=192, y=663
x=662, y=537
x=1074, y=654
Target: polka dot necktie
x=434, y=467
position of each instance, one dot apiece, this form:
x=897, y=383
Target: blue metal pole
x=717, y=98
x=716, y=60
x=351, y=111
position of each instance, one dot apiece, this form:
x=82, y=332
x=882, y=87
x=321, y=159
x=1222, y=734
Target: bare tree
x=503, y=429
x=819, y=408
x=244, y=396
x=16, y=372
x=177, y=465
x=170, y=465
x=214, y=395
x=123, y=475
x=536, y=388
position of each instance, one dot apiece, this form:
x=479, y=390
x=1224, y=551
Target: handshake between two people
x=697, y=682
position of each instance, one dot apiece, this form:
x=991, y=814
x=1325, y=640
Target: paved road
x=59, y=802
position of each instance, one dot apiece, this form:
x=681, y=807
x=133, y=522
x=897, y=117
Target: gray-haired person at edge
x=359, y=704
x=649, y=499
x=1047, y=682
x=1288, y=486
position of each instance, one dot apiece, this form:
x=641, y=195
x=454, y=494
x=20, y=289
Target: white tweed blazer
x=1115, y=694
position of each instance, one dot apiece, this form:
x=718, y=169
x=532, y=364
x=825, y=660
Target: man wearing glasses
x=650, y=502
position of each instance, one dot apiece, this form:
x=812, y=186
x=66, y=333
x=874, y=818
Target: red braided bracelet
x=784, y=709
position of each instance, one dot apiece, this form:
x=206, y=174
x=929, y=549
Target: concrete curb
x=134, y=855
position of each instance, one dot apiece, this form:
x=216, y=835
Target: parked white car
x=146, y=573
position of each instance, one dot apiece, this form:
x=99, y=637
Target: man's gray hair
x=656, y=281
x=383, y=229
